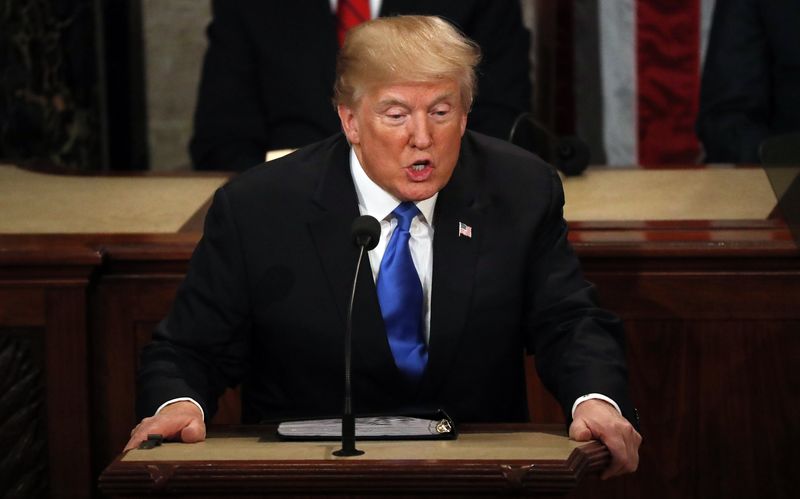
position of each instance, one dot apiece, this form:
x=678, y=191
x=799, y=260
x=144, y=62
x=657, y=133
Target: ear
x=349, y=123
x=463, y=123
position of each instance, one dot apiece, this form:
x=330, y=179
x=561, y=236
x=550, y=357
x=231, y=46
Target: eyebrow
x=391, y=101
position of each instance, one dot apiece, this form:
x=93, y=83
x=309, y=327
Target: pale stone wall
x=174, y=44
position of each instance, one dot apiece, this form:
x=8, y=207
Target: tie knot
x=405, y=213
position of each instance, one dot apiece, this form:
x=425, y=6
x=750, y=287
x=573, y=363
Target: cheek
x=453, y=142
x=389, y=143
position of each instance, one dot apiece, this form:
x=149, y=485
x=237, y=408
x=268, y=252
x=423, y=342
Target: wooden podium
x=486, y=461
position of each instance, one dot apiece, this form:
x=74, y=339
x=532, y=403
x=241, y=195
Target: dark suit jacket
x=264, y=301
x=751, y=78
x=268, y=74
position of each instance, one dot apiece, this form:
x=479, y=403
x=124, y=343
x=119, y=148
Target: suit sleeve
x=199, y=348
x=735, y=92
x=229, y=128
x=504, y=86
x=579, y=347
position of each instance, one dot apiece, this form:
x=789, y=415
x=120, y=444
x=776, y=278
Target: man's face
x=407, y=136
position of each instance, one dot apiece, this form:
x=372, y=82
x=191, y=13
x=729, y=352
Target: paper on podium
x=370, y=428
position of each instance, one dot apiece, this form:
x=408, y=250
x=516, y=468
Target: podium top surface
x=470, y=446
x=39, y=203
x=627, y=194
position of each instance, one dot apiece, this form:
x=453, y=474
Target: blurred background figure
x=113, y=85
x=268, y=73
x=751, y=78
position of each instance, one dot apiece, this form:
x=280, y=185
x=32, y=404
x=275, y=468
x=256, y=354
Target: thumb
x=195, y=431
x=579, y=432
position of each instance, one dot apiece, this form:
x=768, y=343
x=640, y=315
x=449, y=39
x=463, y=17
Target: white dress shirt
x=374, y=201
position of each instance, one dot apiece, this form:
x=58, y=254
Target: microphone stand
x=348, y=419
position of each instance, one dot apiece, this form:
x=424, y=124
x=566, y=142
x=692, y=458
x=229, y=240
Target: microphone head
x=571, y=155
x=365, y=231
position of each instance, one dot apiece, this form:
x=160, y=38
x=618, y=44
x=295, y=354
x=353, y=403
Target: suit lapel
x=454, y=260
x=338, y=207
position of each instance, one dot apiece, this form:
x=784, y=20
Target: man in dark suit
x=265, y=298
x=751, y=78
x=269, y=70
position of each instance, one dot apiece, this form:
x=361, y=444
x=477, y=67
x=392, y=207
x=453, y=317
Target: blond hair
x=405, y=49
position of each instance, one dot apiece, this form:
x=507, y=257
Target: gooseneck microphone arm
x=365, y=231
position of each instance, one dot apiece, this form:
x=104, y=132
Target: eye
x=440, y=111
x=394, y=115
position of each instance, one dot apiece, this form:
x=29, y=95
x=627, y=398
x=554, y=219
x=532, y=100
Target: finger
x=132, y=443
x=579, y=431
x=132, y=440
x=195, y=431
x=633, y=442
x=619, y=456
x=616, y=468
x=165, y=426
x=624, y=449
x=139, y=435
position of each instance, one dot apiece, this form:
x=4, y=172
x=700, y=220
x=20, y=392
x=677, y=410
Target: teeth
x=419, y=166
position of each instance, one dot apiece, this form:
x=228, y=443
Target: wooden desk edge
x=466, y=477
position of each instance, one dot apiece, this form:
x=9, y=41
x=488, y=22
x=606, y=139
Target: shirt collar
x=374, y=201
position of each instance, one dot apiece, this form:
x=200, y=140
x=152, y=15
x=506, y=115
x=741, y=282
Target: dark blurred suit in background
x=268, y=74
x=751, y=78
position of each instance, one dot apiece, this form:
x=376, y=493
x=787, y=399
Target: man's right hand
x=181, y=421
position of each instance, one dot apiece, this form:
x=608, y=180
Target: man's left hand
x=597, y=419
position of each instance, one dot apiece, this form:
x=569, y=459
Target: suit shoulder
x=295, y=173
x=510, y=178
x=504, y=158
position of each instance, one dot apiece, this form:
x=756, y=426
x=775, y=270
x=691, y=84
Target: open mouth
x=420, y=170
x=420, y=165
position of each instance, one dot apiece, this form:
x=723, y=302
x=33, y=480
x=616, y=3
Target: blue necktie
x=400, y=297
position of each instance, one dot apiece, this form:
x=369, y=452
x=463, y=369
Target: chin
x=417, y=193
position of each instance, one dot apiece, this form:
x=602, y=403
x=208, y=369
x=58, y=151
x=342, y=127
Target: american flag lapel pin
x=464, y=230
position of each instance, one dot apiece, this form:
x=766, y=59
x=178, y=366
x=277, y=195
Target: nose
x=420, y=132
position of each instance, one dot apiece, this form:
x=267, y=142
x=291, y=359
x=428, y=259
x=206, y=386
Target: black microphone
x=569, y=154
x=365, y=232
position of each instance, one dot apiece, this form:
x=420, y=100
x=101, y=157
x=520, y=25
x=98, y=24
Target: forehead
x=413, y=94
